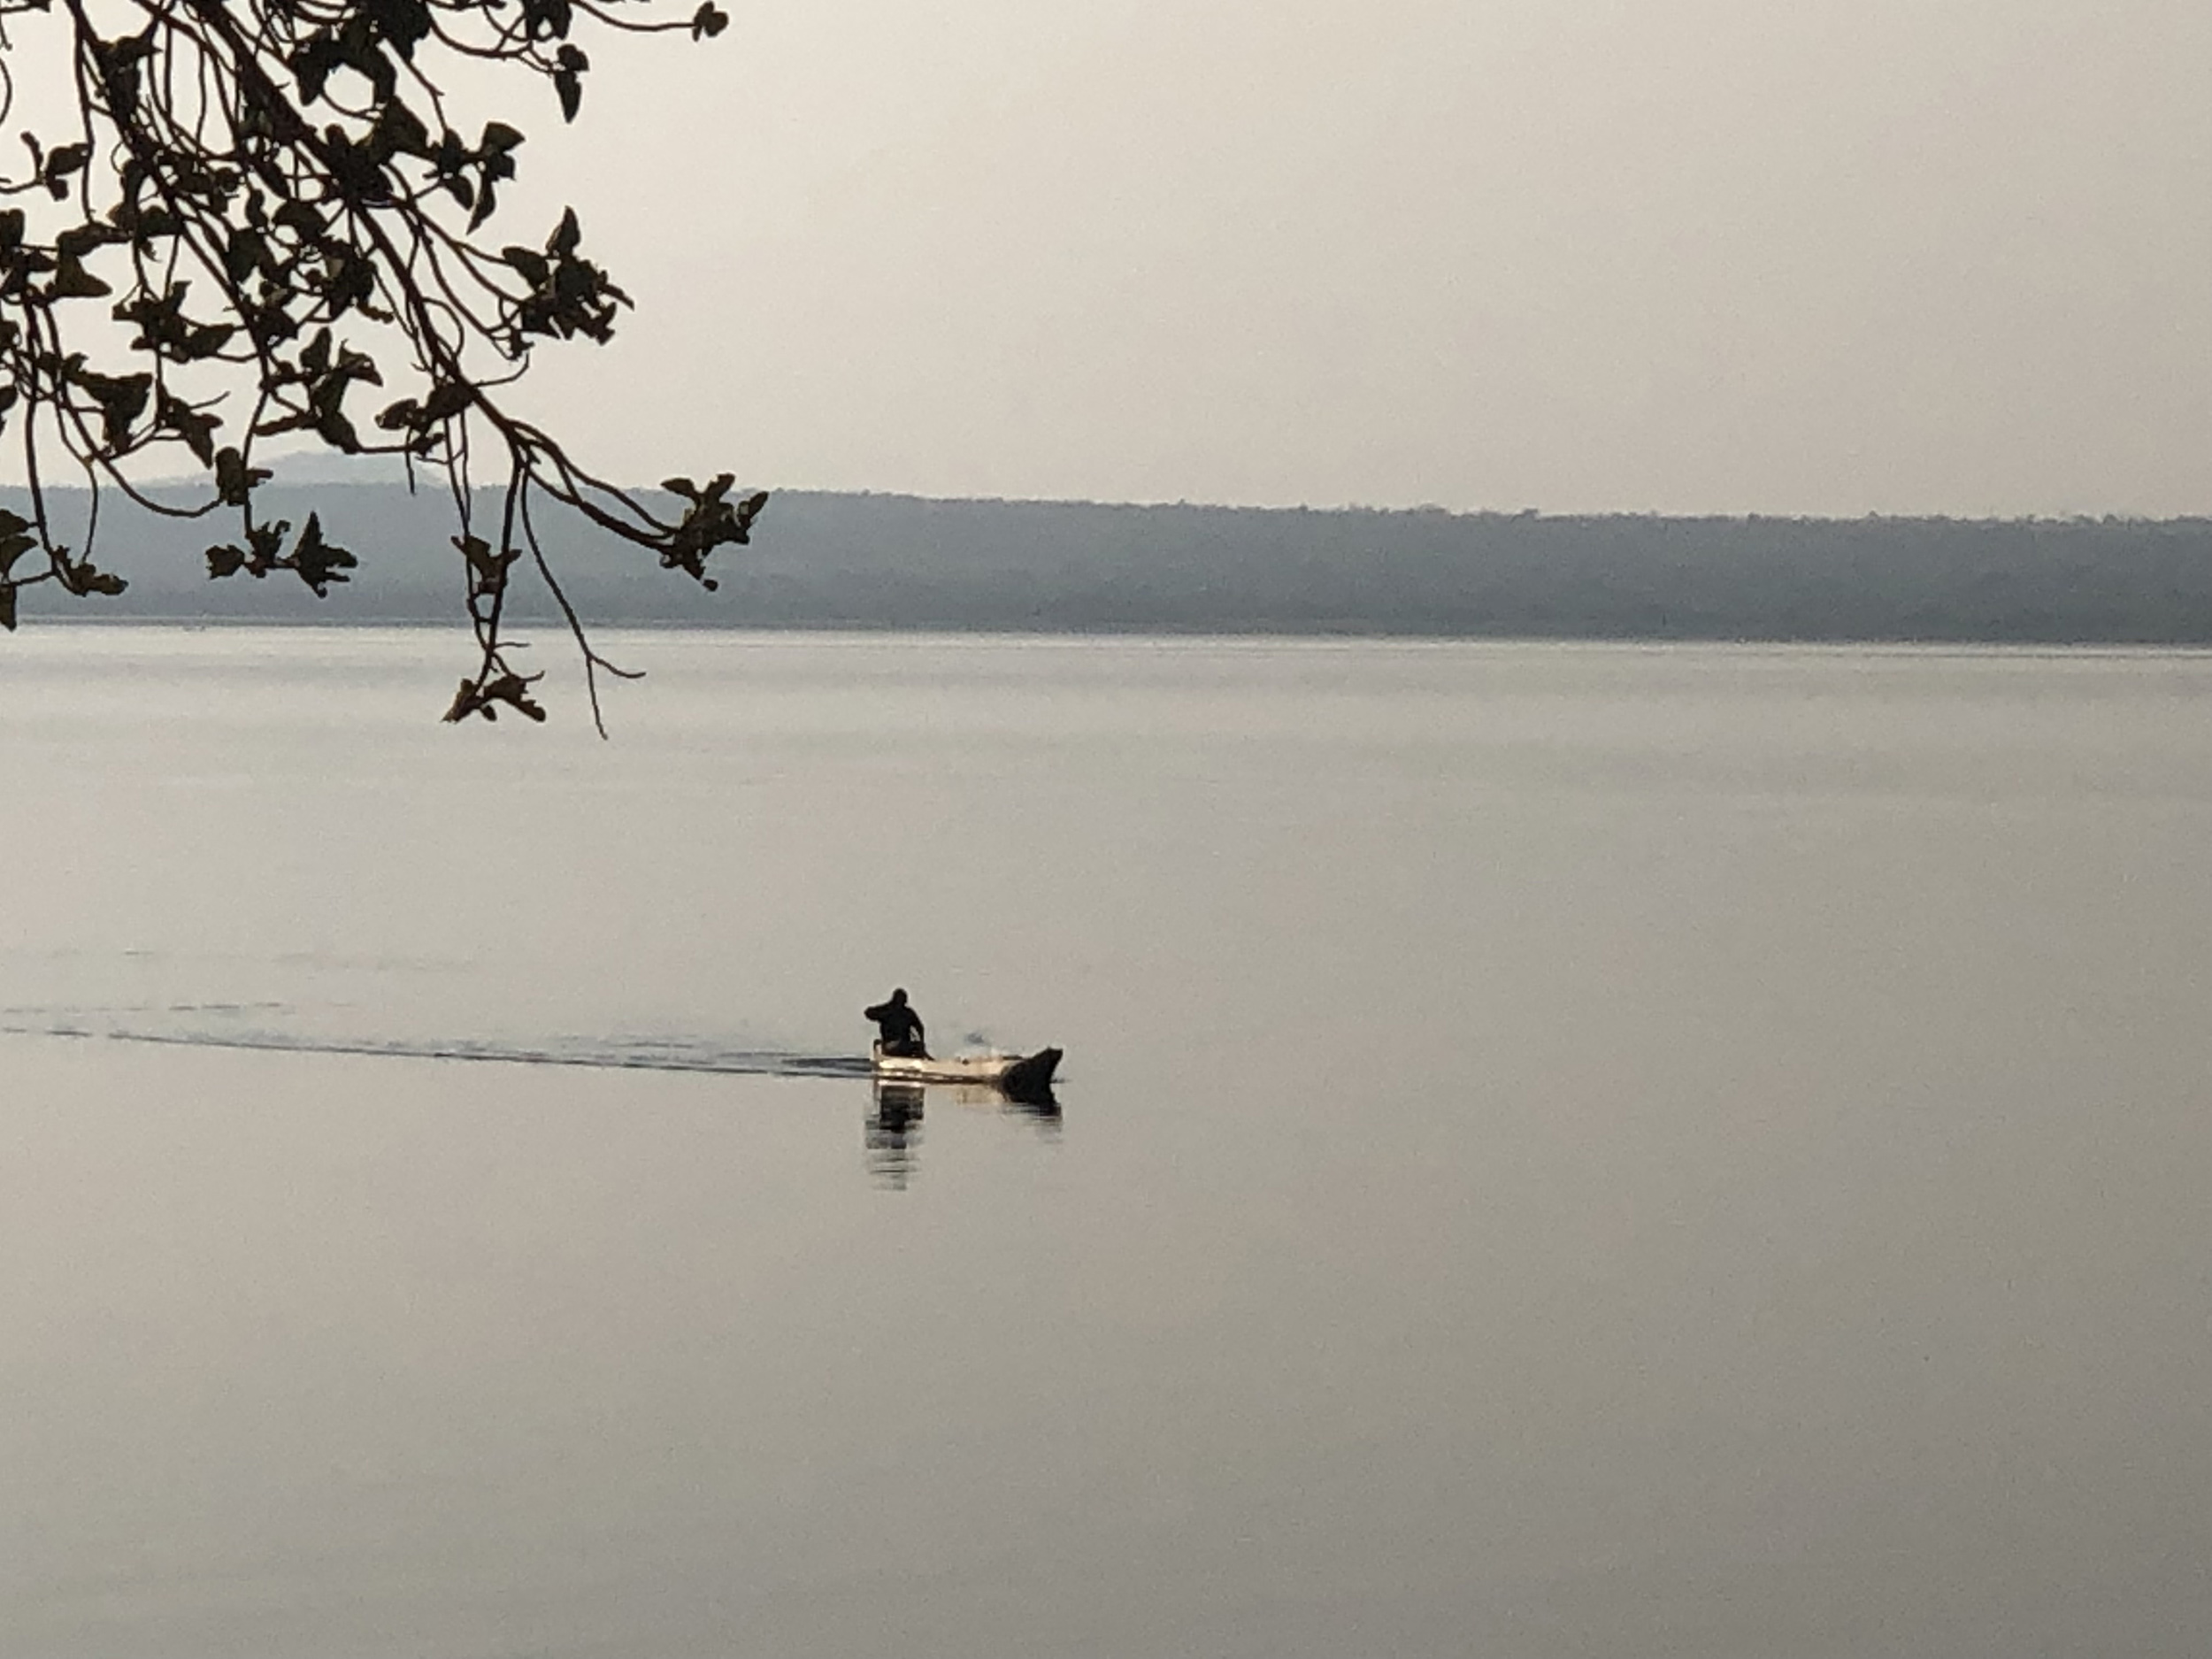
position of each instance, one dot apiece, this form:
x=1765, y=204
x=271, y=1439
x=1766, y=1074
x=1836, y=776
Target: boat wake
x=639, y=1054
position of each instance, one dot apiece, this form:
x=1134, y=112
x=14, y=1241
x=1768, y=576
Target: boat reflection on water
x=893, y=1131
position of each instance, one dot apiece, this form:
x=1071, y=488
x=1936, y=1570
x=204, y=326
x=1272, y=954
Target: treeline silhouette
x=879, y=561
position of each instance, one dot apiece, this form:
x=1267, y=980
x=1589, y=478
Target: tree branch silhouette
x=297, y=163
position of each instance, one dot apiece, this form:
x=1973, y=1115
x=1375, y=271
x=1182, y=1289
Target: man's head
x=898, y=998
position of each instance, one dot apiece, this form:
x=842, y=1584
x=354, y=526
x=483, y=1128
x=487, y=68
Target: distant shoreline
x=900, y=563
x=744, y=631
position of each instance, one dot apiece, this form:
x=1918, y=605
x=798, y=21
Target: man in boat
x=898, y=1027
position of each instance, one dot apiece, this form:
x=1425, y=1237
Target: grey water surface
x=1563, y=1150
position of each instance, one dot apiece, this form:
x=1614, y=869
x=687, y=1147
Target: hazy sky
x=1816, y=256
x=1829, y=255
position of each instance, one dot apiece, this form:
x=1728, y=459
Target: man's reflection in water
x=893, y=1128
x=893, y=1132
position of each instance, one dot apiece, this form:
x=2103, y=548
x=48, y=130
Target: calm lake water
x=1563, y=1151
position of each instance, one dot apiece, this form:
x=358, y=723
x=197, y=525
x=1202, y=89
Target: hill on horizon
x=865, y=560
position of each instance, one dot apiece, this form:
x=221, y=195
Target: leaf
x=122, y=399
x=7, y=606
x=247, y=250
x=334, y=429
x=267, y=541
x=79, y=240
x=13, y=546
x=195, y=426
x=448, y=400
x=300, y=218
x=297, y=421
x=544, y=18
x=206, y=340
x=313, y=63
x=399, y=130
x=227, y=560
x=488, y=570
x=320, y=563
x=530, y=263
x=480, y=696
x=73, y=281
x=709, y=20
x=81, y=577
x=708, y=523
x=568, y=79
x=234, y=480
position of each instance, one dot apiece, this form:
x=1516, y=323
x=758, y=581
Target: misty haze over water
x=1565, y=1150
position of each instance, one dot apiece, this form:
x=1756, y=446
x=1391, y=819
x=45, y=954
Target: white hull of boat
x=992, y=1071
